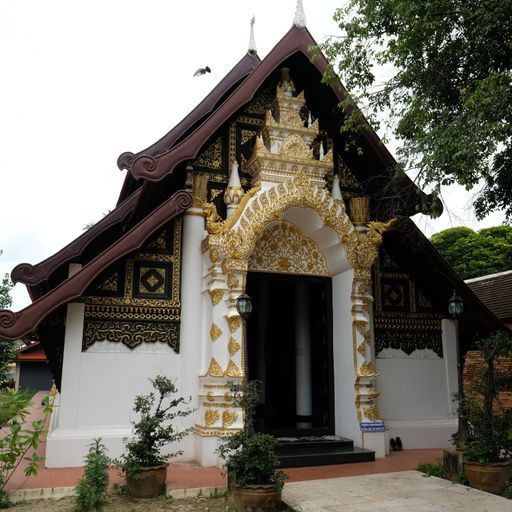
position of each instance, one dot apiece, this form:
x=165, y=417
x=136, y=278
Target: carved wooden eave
x=32, y=275
x=24, y=322
x=297, y=40
x=238, y=73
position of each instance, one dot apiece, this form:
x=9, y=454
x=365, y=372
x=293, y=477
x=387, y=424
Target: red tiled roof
x=32, y=352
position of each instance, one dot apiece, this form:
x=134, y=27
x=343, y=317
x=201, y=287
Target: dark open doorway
x=297, y=382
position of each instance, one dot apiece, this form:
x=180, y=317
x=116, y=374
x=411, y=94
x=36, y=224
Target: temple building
x=255, y=191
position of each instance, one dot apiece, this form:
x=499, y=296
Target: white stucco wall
x=416, y=393
x=98, y=390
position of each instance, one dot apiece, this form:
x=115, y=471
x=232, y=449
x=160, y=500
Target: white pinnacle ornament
x=300, y=17
x=252, y=43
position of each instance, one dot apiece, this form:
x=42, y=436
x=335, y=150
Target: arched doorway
x=290, y=353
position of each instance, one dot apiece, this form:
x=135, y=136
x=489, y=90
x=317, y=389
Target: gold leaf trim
x=234, y=322
x=216, y=296
x=214, y=369
x=228, y=418
x=215, y=332
x=367, y=370
x=211, y=416
x=232, y=370
x=233, y=346
x=372, y=413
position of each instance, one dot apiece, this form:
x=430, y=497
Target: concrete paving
x=405, y=491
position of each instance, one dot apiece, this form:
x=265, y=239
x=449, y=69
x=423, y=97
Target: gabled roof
x=495, y=291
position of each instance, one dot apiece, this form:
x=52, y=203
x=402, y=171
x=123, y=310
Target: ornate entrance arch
x=229, y=245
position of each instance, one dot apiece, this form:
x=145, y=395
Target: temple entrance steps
x=296, y=452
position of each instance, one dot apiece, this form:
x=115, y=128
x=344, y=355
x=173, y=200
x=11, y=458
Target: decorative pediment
x=284, y=249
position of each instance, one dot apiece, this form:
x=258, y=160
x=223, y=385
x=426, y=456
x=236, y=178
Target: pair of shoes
x=396, y=444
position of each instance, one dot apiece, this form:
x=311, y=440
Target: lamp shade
x=455, y=305
x=244, y=305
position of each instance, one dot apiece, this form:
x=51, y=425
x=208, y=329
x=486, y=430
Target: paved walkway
x=407, y=491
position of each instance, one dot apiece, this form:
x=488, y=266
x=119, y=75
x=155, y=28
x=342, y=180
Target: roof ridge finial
x=300, y=16
x=252, y=43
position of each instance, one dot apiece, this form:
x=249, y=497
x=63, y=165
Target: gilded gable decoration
x=211, y=157
x=283, y=249
x=284, y=148
x=289, y=163
x=137, y=299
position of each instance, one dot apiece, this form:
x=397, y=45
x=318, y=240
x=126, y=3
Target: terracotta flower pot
x=151, y=482
x=490, y=477
x=255, y=497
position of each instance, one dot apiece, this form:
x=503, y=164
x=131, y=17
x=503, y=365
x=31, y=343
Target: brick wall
x=473, y=365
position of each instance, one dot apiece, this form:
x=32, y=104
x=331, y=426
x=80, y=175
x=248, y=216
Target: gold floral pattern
x=215, y=332
x=211, y=416
x=233, y=346
x=216, y=296
x=214, y=369
x=234, y=322
x=228, y=418
x=283, y=248
x=232, y=370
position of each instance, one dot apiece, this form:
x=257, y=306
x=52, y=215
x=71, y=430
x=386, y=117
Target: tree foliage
x=8, y=352
x=447, y=94
x=475, y=254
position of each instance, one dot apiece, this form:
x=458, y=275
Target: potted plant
x=489, y=445
x=254, y=482
x=144, y=464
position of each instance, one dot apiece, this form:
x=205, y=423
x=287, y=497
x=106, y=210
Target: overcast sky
x=83, y=81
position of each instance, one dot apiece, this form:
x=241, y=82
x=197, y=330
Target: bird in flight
x=202, y=71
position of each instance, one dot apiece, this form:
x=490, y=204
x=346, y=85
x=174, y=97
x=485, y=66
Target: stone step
x=324, y=444
x=327, y=450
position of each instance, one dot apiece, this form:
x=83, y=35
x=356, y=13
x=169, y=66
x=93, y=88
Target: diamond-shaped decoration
x=233, y=346
x=152, y=280
x=394, y=295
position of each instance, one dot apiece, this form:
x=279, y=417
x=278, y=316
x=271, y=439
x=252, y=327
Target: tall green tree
x=439, y=72
x=475, y=254
x=8, y=352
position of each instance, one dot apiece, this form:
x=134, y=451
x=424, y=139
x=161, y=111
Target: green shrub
x=432, y=469
x=154, y=430
x=92, y=488
x=249, y=457
x=17, y=443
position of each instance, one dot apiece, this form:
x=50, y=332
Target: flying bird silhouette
x=202, y=71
